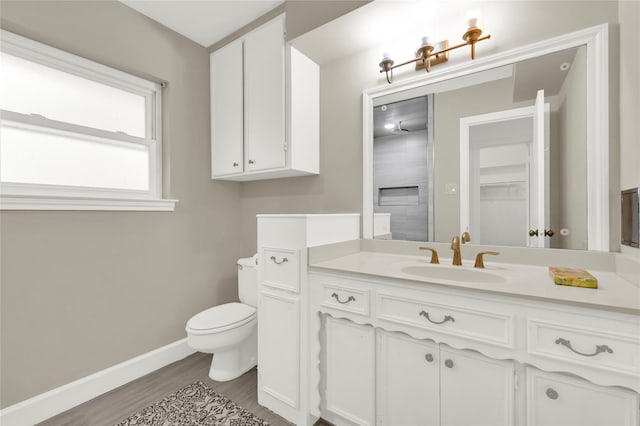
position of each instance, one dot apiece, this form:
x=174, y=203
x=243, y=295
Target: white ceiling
x=380, y=23
x=203, y=21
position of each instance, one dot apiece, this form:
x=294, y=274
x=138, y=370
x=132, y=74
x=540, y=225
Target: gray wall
x=449, y=108
x=82, y=291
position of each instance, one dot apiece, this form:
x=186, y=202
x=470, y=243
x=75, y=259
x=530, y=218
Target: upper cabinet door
x=265, y=97
x=227, y=110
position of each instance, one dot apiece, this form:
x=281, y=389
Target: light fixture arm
x=426, y=53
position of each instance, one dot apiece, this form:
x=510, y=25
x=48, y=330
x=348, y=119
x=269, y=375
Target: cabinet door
x=409, y=381
x=475, y=390
x=265, y=97
x=350, y=371
x=558, y=400
x=226, y=110
x=279, y=348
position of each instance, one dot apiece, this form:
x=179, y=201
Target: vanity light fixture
x=427, y=55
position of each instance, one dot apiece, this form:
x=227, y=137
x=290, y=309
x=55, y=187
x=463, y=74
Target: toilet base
x=230, y=364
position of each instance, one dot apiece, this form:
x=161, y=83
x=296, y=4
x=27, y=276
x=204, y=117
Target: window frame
x=27, y=196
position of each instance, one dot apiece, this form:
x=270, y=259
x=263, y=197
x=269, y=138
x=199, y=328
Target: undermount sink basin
x=453, y=273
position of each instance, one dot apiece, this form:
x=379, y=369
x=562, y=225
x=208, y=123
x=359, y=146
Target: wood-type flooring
x=120, y=403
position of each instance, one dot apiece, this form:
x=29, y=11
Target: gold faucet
x=434, y=254
x=479, y=262
x=455, y=246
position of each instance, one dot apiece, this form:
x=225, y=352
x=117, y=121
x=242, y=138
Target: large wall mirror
x=513, y=149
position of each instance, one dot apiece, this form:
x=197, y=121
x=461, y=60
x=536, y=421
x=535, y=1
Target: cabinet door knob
x=533, y=232
x=551, y=393
x=251, y=162
x=448, y=363
x=235, y=164
x=549, y=233
x=428, y=357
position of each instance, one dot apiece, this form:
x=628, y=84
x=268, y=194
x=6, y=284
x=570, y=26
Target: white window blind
x=70, y=127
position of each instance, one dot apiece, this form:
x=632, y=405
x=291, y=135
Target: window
x=75, y=134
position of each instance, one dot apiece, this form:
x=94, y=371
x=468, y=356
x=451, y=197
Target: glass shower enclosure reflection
x=403, y=170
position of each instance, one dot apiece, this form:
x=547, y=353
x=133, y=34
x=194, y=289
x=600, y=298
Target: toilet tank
x=248, y=280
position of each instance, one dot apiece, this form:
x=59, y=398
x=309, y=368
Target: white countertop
x=613, y=292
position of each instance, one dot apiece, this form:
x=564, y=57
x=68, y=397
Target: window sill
x=31, y=202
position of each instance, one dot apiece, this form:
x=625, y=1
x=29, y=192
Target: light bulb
x=425, y=40
x=389, y=126
x=473, y=18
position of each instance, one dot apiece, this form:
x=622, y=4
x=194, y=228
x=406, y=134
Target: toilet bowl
x=229, y=331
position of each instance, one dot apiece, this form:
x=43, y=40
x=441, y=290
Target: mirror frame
x=596, y=40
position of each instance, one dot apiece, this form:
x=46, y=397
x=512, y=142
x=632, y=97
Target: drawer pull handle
x=446, y=318
x=448, y=363
x=551, y=393
x=349, y=299
x=428, y=357
x=599, y=348
x=284, y=259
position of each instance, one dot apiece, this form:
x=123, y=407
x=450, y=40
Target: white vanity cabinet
x=484, y=386
x=559, y=400
x=408, y=372
x=264, y=108
x=283, y=295
x=423, y=383
x=350, y=372
x=450, y=356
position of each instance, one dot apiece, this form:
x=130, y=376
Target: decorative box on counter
x=574, y=277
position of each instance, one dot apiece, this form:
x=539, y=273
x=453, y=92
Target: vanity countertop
x=614, y=293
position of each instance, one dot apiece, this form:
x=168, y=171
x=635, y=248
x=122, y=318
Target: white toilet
x=229, y=331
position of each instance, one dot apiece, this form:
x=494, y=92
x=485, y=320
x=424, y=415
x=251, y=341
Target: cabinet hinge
x=285, y=146
x=515, y=381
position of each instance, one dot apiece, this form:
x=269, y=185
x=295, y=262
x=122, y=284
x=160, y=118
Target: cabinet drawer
x=484, y=326
x=599, y=348
x=345, y=298
x=558, y=400
x=281, y=269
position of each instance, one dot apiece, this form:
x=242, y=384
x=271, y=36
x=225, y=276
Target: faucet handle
x=465, y=237
x=434, y=254
x=479, y=262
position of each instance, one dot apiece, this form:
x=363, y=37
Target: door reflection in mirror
x=504, y=175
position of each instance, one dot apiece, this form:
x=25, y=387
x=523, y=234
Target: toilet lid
x=222, y=316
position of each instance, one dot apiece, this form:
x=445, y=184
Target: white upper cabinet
x=264, y=81
x=227, y=110
x=264, y=108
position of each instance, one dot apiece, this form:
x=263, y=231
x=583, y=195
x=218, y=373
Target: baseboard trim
x=58, y=400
